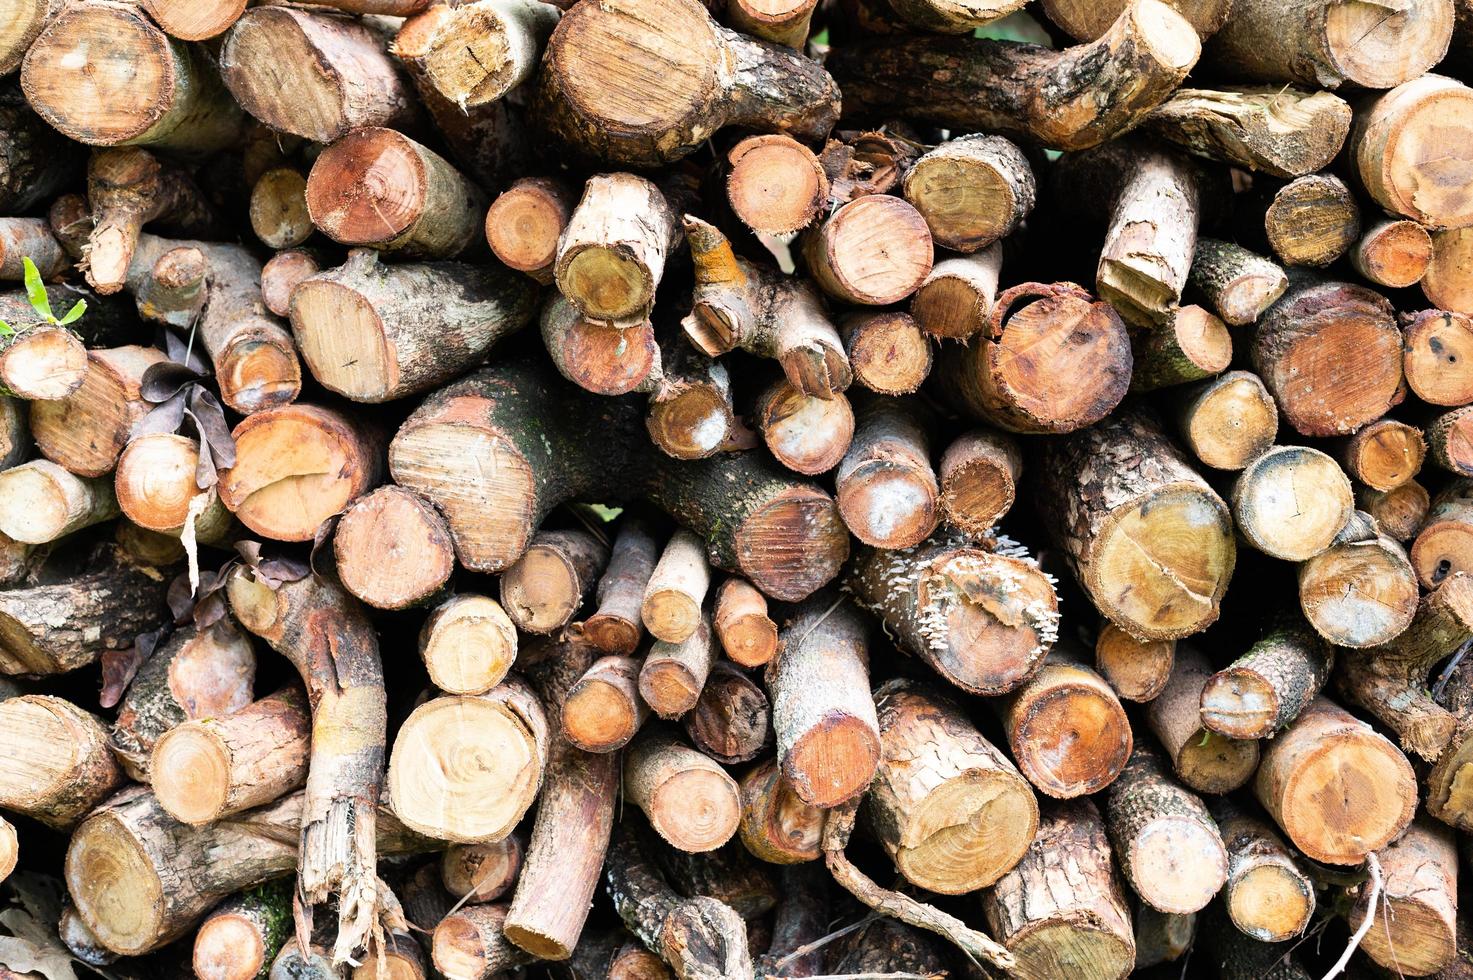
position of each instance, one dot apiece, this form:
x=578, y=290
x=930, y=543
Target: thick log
x=598, y=356
x=676, y=589
x=393, y=549
x=972, y=191
x=731, y=721
x=1238, y=284
x=58, y=765
x=1201, y=757
x=616, y=626
x=1267, y=895
x=774, y=184
x=40, y=502
x=478, y=52
x=1436, y=345
x=1362, y=590
x=873, y=251
x=87, y=430
x=674, y=673
x=1312, y=221
x=604, y=709
x=1280, y=131
x=689, y=800
x=468, y=643
x=1085, y=20
x=776, y=825
x=747, y=632
x=1188, y=345
x=1291, y=502
x=482, y=872
x=1335, y=787
x=1265, y=689
x=886, y=489
x=206, y=769
x=1147, y=537
x=1137, y=669
x=807, y=433
x=984, y=620
x=1067, y=100
x=613, y=115
x=955, y=300
x=979, y=475
x=157, y=488
x=1415, y=932
x=526, y=220
x=889, y=352
x=242, y=937
x=547, y=586
x=1384, y=148
x=1227, y=421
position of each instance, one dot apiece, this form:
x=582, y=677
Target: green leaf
x=604, y=512
x=75, y=313
x=6, y=330
x=36, y=291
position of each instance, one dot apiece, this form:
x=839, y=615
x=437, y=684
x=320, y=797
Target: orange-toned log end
x=794, y=544
x=1437, y=356
x=190, y=774
x=367, y=187
x=888, y=352
x=776, y=185
x=874, y=251
x=227, y=947
x=1072, y=742
x=524, y=223
x=611, y=633
x=1136, y=669
x=1238, y=703
x=979, y=475
x=44, y=364
x=280, y=276
x=606, y=360
x=1393, y=253
x=693, y=423
x=833, y=761
x=259, y=370
x=747, y=633
x=599, y=717
x=393, y=548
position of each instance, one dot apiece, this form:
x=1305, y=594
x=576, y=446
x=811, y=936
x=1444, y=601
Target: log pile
x=736, y=489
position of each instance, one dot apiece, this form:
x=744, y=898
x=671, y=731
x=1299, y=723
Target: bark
x=133, y=84
x=478, y=52
x=1265, y=689
x=950, y=809
x=525, y=222
x=1362, y=590
x=47, y=362
x=1146, y=536
x=1066, y=729
x=972, y=191
x=1284, y=132
x=982, y=619
x=265, y=62
x=58, y=764
x=1137, y=670
x=36, y=162
x=471, y=944
x=777, y=826
x=1061, y=910
x=1085, y=20
x=1267, y=895
x=747, y=632
x=616, y=627
x=58, y=627
x=483, y=872
x=1416, y=929
x=873, y=251
x=828, y=738
x=1312, y=221
x=157, y=488
x=1393, y=253
x=86, y=431
x=128, y=188
x=1067, y=100
x=40, y=502
x=15, y=435
x=27, y=20
x=468, y=644
x=221, y=763
x=393, y=549
x=466, y=768
x=675, y=673
x=1238, y=284
x=1371, y=795
x=366, y=333
x=676, y=590
x=298, y=465
x=1189, y=345
x=30, y=238
x=195, y=674
x=328, y=638
x=1435, y=344
x=1060, y=362
x=737, y=304
x=888, y=351
x=731, y=721
x=774, y=184
x=612, y=114
x=886, y=489
x=1203, y=758
x=955, y=300
x=1448, y=281
x=1391, y=129
x=1449, y=441
x=807, y=433
x=550, y=583
x=379, y=188
x=1162, y=937
x=1391, y=683
x=604, y=710
x=979, y=474
x=241, y=938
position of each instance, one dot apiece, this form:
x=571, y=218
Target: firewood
x=42, y=361
x=575, y=816
x=296, y=466
x=1076, y=923
x=616, y=626
x=1265, y=689
x=1318, y=43
x=400, y=957
x=1137, y=670
x=1237, y=283
x=472, y=943
x=15, y=434
x=743, y=625
x=1393, y=253
x=886, y=489
x=157, y=487
x=104, y=75
x=1444, y=539
x=1362, y=590
x=218, y=765
x=1068, y=100
x=241, y=938
x=1291, y=502
x=979, y=476
x=1188, y=345
x=310, y=961
x=1014, y=377
x=59, y=764
x=1447, y=794
x=393, y=549
x=1085, y=21
x=776, y=825
x=25, y=23
x=1449, y=440
x=1419, y=935
x=604, y=710
x=888, y=351
x=365, y=335
x=1281, y=131
x=1312, y=221
x=526, y=220
x=467, y=767
x=675, y=672
x=468, y=643
x=1383, y=455
x=87, y=430
x=955, y=300
x=1447, y=283
x=984, y=620
x=598, y=356
x=1066, y=729
x=616, y=117
x=54, y=628
x=1399, y=513
x=676, y=589
x=1435, y=344
x=1238, y=956
x=873, y=251
x=30, y=238
x=128, y=188
x=40, y=502
x=1102, y=491
x=686, y=796
x=731, y=720
x=1383, y=148
x=939, y=772
x=1267, y=895
x=543, y=590
x=739, y=304
x=1162, y=937
x=807, y=433
x=785, y=23
x=1327, y=746
x=379, y=188
x=326, y=635
x=1227, y=421
x=478, y=52
x=9, y=848
x=1201, y=759
x=263, y=62
x=774, y=184
x=612, y=254
x=482, y=872
x=972, y=191
x=691, y=415
x=197, y=673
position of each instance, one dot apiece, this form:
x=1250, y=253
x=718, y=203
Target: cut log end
x=1072, y=742
x=370, y=186
x=190, y=774
x=120, y=894
x=609, y=360
x=1291, y=502
x=776, y=184
x=1394, y=254
x=746, y=631
x=833, y=761
x=1240, y=704
x=799, y=521
x=693, y=424
x=875, y=250
x=281, y=274
x=1437, y=357
x=524, y=223
x=889, y=504
x=1179, y=862
x=228, y=947
x=1271, y=902
x=393, y=549
x=43, y=364
x=599, y=716
x=806, y=433
x=543, y=590
x=279, y=213
x=468, y=644
x=1137, y=669
x=888, y=352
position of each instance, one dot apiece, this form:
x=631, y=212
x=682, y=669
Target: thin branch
x=1374, y=867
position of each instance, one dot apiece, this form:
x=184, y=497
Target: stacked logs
x=747, y=489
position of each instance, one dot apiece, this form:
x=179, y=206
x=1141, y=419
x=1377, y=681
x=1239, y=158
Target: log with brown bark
x=127, y=189
x=731, y=721
x=278, y=208
x=972, y=191
x=1203, y=758
x=478, y=52
x=482, y=872
x=979, y=474
x=1292, y=501
x=886, y=489
x=1312, y=221
x=549, y=584
x=1416, y=931
x=956, y=299
x=1399, y=513
x=1265, y=689
x=1393, y=253
x=743, y=624
x=157, y=488
x=242, y=937
x=807, y=433
x=1138, y=670
x=616, y=625
x=1284, y=132
x=40, y=502
x=1238, y=284
x=687, y=797
x=1190, y=344
x=59, y=765
x=675, y=672
x=611, y=255
x=86, y=430
x=888, y=351
x=605, y=710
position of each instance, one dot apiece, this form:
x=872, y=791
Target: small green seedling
x=41, y=303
